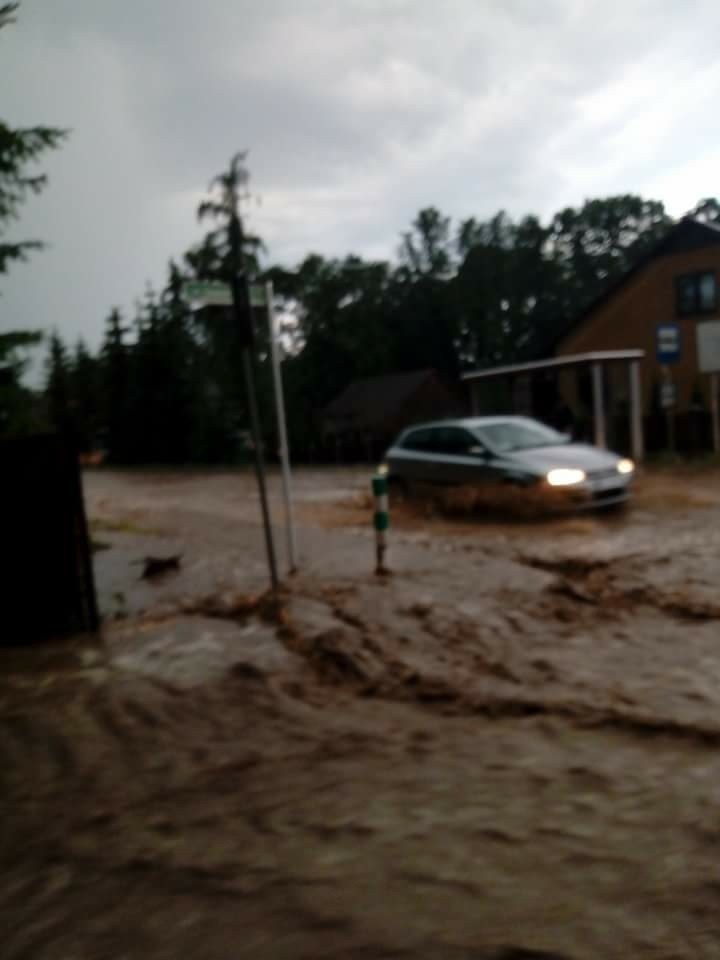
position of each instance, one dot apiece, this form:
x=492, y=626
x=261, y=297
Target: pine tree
x=20, y=146
x=85, y=397
x=228, y=253
x=58, y=388
x=179, y=370
x=19, y=412
x=115, y=381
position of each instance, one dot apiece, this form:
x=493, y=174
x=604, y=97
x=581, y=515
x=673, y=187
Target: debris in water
x=157, y=566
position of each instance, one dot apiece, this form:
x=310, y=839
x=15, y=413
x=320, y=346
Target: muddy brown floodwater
x=507, y=749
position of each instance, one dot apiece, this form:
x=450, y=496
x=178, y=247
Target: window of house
x=706, y=292
x=696, y=293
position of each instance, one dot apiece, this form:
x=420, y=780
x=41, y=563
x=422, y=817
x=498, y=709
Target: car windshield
x=507, y=435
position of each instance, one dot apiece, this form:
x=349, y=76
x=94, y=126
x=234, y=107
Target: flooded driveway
x=506, y=749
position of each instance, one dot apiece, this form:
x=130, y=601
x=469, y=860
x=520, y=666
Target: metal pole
x=282, y=429
x=715, y=413
x=636, y=413
x=381, y=520
x=669, y=405
x=259, y=465
x=598, y=405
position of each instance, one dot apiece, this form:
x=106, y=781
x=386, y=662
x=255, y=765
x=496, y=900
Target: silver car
x=514, y=451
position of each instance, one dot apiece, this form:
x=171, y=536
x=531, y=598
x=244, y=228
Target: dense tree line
x=166, y=386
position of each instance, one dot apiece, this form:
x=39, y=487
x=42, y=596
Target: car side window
x=455, y=441
x=434, y=441
x=417, y=440
x=448, y=440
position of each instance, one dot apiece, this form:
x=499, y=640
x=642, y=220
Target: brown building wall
x=355, y=439
x=629, y=319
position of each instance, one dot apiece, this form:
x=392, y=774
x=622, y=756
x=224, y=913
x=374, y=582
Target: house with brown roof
x=658, y=307
x=361, y=422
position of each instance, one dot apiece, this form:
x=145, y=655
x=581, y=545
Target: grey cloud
x=356, y=113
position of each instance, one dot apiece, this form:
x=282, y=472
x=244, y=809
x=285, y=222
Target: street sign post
x=214, y=293
x=667, y=395
x=668, y=342
x=243, y=298
x=284, y=450
x=668, y=398
x=668, y=352
x=243, y=320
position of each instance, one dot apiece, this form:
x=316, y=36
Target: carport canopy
x=596, y=361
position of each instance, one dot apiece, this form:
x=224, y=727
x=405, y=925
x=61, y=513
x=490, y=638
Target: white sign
x=708, y=345
x=667, y=395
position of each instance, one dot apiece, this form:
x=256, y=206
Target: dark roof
x=364, y=403
x=685, y=235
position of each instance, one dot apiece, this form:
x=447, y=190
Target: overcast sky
x=357, y=113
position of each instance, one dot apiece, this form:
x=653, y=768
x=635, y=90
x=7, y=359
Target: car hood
x=578, y=455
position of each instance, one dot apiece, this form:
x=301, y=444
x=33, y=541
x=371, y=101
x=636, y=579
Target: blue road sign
x=668, y=342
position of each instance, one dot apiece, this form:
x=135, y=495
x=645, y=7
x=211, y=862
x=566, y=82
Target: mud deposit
x=508, y=750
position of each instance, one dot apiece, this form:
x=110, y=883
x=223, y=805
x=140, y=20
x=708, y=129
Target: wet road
x=507, y=749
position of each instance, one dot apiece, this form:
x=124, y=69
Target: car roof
x=471, y=423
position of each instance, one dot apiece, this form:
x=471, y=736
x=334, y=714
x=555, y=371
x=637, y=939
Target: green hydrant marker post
x=381, y=520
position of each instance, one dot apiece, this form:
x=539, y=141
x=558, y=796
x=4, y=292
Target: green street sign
x=213, y=293
x=209, y=293
x=257, y=295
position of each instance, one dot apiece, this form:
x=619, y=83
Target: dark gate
x=48, y=587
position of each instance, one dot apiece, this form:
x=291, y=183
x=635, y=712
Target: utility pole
x=229, y=287
x=244, y=326
x=259, y=465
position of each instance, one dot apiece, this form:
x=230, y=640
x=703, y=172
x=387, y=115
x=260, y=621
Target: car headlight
x=625, y=466
x=565, y=477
